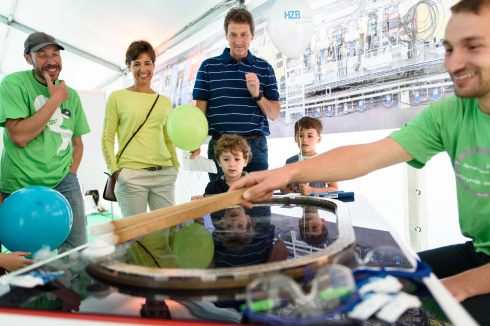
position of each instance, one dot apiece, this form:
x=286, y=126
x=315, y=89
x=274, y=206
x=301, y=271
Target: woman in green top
x=147, y=169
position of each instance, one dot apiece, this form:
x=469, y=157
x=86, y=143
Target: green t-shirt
x=457, y=126
x=45, y=160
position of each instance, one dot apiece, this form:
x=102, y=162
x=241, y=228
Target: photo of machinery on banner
x=370, y=65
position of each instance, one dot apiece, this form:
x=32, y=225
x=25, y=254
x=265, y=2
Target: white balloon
x=291, y=25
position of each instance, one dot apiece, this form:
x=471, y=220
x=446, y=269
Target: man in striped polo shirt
x=238, y=92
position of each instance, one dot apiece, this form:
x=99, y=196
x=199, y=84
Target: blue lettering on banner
x=293, y=14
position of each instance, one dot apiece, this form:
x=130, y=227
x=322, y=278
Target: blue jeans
x=260, y=156
x=70, y=188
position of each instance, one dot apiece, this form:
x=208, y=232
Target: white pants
x=135, y=189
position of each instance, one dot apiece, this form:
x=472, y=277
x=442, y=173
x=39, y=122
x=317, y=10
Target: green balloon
x=187, y=127
x=193, y=247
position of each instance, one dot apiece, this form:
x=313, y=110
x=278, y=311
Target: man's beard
x=38, y=72
x=481, y=91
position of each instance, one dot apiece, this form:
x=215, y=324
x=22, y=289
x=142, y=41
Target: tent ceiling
x=103, y=29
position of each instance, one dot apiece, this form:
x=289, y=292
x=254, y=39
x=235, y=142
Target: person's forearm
x=348, y=162
x=470, y=283
x=202, y=105
x=22, y=131
x=77, y=154
x=270, y=109
x=173, y=153
x=111, y=121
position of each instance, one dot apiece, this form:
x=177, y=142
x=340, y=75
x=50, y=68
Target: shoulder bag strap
x=139, y=127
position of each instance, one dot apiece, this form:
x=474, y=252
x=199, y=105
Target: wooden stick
x=142, y=224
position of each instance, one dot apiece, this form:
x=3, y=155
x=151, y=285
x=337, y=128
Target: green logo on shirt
x=472, y=168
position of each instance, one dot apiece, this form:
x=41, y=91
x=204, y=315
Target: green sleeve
x=81, y=124
x=13, y=101
x=109, y=128
x=421, y=138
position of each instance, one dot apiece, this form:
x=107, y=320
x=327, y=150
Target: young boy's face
x=235, y=219
x=232, y=164
x=312, y=223
x=307, y=140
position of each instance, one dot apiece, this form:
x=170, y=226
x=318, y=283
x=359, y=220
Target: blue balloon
x=34, y=217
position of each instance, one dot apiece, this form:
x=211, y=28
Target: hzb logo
x=292, y=14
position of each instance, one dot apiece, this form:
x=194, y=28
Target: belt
x=246, y=137
x=155, y=168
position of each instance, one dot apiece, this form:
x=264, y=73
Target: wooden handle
x=143, y=224
x=131, y=221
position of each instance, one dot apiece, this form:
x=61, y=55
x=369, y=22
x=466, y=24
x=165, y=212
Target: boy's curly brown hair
x=233, y=143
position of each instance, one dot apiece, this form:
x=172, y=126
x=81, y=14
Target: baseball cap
x=39, y=40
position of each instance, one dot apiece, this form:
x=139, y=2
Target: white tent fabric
x=102, y=29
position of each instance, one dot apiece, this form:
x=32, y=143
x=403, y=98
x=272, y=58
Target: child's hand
x=305, y=190
x=199, y=220
x=197, y=197
x=14, y=261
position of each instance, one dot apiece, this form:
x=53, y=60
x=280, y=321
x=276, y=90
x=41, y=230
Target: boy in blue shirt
x=233, y=154
x=308, y=133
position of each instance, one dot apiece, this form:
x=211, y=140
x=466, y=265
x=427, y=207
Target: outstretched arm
x=343, y=163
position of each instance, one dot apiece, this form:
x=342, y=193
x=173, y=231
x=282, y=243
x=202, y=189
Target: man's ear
x=28, y=58
x=245, y=164
x=319, y=139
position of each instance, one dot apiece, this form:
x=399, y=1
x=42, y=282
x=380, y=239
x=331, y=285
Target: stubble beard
x=482, y=90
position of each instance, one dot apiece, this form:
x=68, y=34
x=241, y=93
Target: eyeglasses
x=279, y=299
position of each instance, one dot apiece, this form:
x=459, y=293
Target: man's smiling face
x=45, y=61
x=467, y=43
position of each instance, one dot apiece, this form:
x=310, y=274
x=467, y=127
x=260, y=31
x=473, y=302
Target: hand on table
x=14, y=261
x=199, y=220
x=253, y=84
x=305, y=189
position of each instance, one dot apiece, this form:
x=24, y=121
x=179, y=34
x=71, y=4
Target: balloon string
x=198, y=173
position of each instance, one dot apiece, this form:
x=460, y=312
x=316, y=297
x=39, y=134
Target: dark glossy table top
x=280, y=233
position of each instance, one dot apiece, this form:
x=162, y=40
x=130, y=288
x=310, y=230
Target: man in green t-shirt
x=459, y=125
x=43, y=122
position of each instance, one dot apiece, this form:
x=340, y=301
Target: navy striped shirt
x=231, y=109
x=254, y=253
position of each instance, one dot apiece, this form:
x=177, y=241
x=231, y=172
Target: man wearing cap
x=44, y=122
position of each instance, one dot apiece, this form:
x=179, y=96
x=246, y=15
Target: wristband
x=258, y=98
